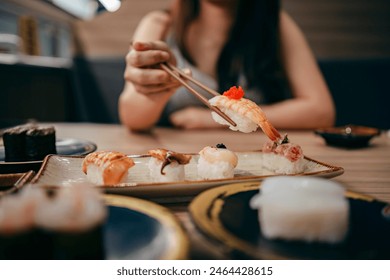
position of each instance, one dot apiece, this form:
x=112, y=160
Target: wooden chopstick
x=190, y=78
x=176, y=74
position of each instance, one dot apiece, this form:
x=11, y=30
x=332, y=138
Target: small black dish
x=348, y=136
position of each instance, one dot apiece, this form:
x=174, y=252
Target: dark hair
x=253, y=47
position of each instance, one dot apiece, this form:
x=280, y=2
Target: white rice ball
x=242, y=124
x=302, y=208
x=95, y=175
x=216, y=170
x=173, y=171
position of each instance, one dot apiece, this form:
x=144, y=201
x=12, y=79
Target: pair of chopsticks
x=180, y=76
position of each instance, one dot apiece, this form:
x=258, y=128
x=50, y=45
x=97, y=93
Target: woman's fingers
x=143, y=71
x=154, y=89
x=147, y=46
x=149, y=81
x=147, y=58
x=146, y=76
x=149, y=53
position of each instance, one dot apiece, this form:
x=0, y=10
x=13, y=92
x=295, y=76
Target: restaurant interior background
x=60, y=65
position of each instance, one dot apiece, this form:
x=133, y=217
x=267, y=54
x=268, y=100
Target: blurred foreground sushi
x=73, y=218
x=298, y=208
x=62, y=224
x=19, y=237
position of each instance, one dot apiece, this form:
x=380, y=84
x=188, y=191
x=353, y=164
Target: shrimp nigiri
x=245, y=113
x=106, y=168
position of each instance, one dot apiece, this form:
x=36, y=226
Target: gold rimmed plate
x=142, y=230
x=65, y=146
x=64, y=170
x=223, y=214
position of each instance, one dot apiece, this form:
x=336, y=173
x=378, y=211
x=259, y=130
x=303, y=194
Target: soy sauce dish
x=348, y=136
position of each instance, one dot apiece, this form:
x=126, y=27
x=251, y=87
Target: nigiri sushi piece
x=302, y=208
x=245, y=113
x=216, y=162
x=284, y=158
x=167, y=166
x=107, y=168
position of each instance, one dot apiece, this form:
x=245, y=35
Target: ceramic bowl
x=348, y=136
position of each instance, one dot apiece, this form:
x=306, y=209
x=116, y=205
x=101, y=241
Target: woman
x=223, y=43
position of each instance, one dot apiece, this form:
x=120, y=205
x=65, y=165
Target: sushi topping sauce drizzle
x=168, y=160
x=234, y=93
x=167, y=157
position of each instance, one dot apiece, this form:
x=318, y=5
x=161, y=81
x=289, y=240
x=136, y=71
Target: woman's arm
x=147, y=88
x=312, y=105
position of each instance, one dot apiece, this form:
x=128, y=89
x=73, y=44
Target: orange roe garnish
x=234, y=93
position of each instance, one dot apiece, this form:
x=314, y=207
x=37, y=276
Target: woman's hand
x=194, y=118
x=143, y=71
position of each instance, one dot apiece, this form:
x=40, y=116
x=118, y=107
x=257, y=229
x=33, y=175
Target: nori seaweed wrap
x=40, y=142
x=29, y=142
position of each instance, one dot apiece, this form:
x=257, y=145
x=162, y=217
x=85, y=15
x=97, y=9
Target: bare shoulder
x=287, y=22
x=291, y=33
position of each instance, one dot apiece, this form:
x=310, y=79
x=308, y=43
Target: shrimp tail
x=270, y=131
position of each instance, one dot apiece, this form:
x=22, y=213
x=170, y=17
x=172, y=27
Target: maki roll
x=14, y=140
x=73, y=217
x=40, y=142
x=107, y=168
x=167, y=166
x=19, y=237
x=62, y=224
x=216, y=162
x=29, y=142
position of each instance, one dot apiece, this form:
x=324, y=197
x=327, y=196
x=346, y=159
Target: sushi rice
x=298, y=208
x=173, y=171
x=216, y=163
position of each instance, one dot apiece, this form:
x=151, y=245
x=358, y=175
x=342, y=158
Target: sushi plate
x=142, y=230
x=223, y=214
x=64, y=170
x=65, y=146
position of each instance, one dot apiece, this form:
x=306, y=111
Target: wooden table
x=367, y=170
